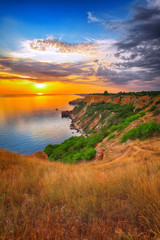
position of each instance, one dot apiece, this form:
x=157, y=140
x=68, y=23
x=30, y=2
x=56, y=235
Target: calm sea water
x=28, y=124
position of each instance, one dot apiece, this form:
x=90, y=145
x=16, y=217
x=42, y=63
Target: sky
x=68, y=47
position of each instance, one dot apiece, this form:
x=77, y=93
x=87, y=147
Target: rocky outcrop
x=40, y=155
x=100, y=154
x=76, y=101
x=66, y=113
x=97, y=98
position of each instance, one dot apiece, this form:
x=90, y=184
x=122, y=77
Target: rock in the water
x=66, y=113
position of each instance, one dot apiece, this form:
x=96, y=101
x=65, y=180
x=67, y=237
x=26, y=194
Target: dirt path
x=131, y=148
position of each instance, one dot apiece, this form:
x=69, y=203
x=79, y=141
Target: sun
x=40, y=85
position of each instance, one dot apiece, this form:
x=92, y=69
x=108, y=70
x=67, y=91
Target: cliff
x=76, y=101
x=137, y=101
x=116, y=116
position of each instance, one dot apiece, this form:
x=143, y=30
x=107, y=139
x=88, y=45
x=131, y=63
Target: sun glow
x=40, y=85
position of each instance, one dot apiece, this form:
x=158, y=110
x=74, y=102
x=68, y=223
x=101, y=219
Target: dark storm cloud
x=140, y=78
x=143, y=27
x=144, y=14
x=138, y=53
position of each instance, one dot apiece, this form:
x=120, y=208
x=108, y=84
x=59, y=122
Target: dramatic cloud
x=129, y=61
x=153, y=3
x=138, y=54
x=55, y=50
x=19, y=69
x=52, y=59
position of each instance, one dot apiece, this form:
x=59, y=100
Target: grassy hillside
x=114, y=196
x=117, y=198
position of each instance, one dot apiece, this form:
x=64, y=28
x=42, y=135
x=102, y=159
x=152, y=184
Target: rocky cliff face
x=137, y=101
x=94, y=120
x=94, y=113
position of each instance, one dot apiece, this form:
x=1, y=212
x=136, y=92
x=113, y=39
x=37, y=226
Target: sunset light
x=100, y=50
x=40, y=85
x=79, y=91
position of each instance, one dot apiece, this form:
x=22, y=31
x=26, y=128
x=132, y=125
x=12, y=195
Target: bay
x=29, y=123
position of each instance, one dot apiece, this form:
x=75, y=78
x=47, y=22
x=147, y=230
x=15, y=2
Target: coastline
x=69, y=114
x=75, y=126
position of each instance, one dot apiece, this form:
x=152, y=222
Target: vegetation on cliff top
x=138, y=94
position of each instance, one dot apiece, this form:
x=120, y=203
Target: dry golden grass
x=116, y=199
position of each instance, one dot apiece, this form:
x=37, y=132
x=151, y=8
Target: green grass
x=142, y=131
x=79, y=107
x=126, y=122
x=111, y=136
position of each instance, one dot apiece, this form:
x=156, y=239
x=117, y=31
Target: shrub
x=49, y=148
x=143, y=93
x=106, y=93
x=74, y=149
x=113, y=128
x=126, y=122
x=158, y=102
x=152, y=108
x=156, y=112
x=142, y=131
x=114, y=113
x=79, y=107
x=111, y=136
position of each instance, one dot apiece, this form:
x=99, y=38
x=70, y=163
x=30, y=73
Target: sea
x=30, y=122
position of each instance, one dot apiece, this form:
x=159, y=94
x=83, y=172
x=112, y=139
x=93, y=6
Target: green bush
x=152, y=108
x=111, y=136
x=114, y=113
x=75, y=149
x=142, y=131
x=113, y=128
x=49, y=148
x=126, y=122
x=79, y=107
x=158, y=102
x=156, y=112
x=143, y=93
